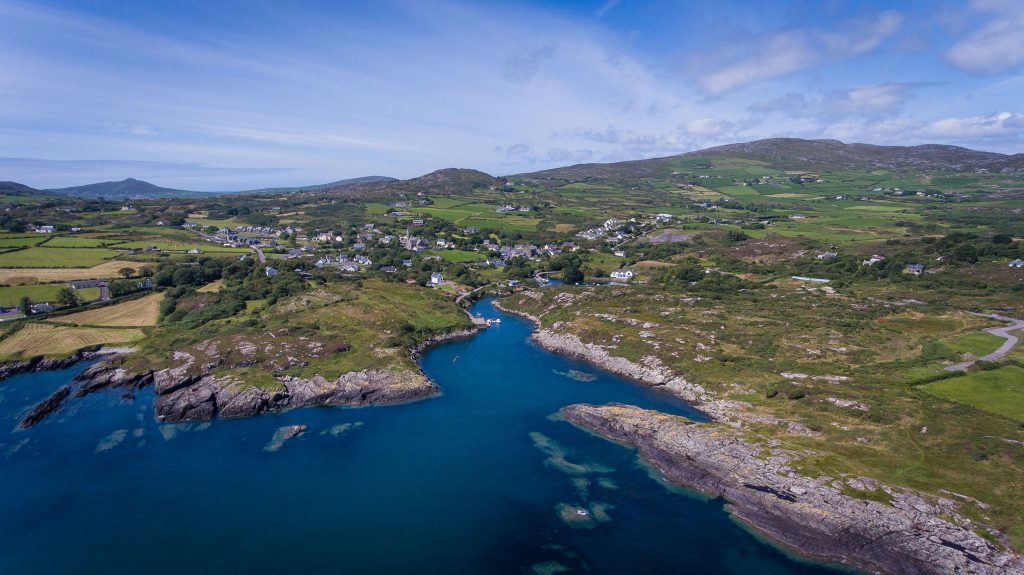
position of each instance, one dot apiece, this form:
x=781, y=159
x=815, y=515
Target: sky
x=232, y=95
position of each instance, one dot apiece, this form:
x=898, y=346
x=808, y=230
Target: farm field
x=42, y=339
x=105, y=270
x=140, y=312
x=80, y=242
x=172, y=246
x=43, y=257
x=11, y=295
x=20, y=242
x=999, y=391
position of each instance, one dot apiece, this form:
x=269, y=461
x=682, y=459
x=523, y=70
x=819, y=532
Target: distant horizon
x=500, y=175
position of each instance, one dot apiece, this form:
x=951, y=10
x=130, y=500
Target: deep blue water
x=454, y=484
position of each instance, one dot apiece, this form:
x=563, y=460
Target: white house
x=622, y=274
x=436, y=279
x=1017, y=263
x=271, y=272
x=872, y=260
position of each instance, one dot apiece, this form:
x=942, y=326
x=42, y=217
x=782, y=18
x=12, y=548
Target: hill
x=798, y=154
x=320, y=187
x=125, y=189
x=131, y=188
x=13, y=193
x=449, y=182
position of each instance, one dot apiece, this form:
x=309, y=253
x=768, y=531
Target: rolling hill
x=798, y=154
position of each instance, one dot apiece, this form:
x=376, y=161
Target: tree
x=126, y=272
x=572, y=274
x=26, y=305
x=68, y=297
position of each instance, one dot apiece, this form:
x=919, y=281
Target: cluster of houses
x=609, y=227
x=509, y=208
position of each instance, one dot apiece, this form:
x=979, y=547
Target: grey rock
x=908, y=537
x=43, y=409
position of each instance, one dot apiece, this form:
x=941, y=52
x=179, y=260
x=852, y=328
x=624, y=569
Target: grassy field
x=11, y=295
x=999, y=391
x=43, y=257
x=183, y=246
x=21, y=242
x=79, y=242
x=140, y=312
x=105, y=270
x=40, y=339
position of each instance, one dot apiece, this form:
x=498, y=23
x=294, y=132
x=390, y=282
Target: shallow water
x=479, y=480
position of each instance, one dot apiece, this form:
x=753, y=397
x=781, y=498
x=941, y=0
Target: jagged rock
x=193, y=403
x=44, y=408
x=210, y=397
x=909, y=536
x=109, y=373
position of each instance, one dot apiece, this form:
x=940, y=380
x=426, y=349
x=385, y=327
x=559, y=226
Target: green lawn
x=1000, y=391
x=43, y=257
x=978, y=344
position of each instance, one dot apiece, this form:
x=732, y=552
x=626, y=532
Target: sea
x=485, y=478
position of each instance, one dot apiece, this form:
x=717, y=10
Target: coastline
x=780, y=505
x=182, y=396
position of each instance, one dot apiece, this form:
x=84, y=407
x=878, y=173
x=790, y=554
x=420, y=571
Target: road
x=259, y=254
x=1003, y=332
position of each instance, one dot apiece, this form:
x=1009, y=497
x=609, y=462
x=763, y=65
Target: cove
x=478, y=480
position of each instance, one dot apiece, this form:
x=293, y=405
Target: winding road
x=1003, y=332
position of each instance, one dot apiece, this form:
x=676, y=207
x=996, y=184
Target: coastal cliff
x=909, y=535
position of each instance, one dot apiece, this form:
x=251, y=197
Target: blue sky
x=232, y=95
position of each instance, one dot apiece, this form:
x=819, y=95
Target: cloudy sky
x=232, y=95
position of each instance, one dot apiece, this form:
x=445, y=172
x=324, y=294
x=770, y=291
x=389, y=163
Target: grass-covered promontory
x=259, y=328
x=852, y=370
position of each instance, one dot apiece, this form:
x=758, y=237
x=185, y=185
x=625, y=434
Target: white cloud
x=770, y=56
x=997, y=46
x=1001, y=125
x=858, y=36
x=1003, y=131
x=773, y=56
x=872, y=101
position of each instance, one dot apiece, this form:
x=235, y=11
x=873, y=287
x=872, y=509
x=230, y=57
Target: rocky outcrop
x=40, y=363
x=44, y=408
x=650, y=371
x=418, y=349
x=208, y=397
x=107, y=374
x=909, y=535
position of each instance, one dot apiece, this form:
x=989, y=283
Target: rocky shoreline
x=191, y=392
x=814, y=518
x=910, y=535
x=40, y=363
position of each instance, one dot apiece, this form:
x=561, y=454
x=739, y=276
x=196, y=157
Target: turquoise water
x=455, y=484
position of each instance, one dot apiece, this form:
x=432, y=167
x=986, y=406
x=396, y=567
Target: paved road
x=259, y=253
x=1003, y=332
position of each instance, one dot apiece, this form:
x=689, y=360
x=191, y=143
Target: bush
x=796, y=394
